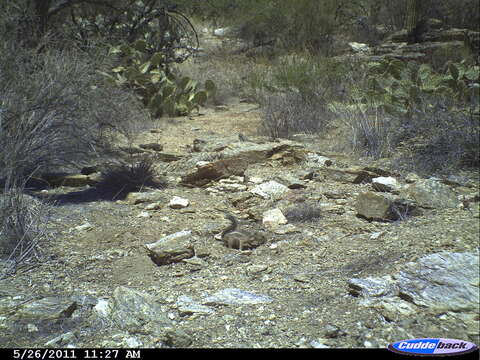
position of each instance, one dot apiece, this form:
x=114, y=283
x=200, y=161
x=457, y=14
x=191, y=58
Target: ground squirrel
x=240, y=239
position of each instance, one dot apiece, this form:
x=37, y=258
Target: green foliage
x=298, y=75
x=159, y=89
x=308, y=76
x=296, y=25
x=294, y=94
x=400, y=88
x=434, y=115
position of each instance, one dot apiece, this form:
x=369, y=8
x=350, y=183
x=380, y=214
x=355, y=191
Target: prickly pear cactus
x=399, y=88
x=160, y=90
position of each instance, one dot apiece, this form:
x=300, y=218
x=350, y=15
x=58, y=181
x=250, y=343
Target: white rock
x=171, y=249
x=285, y=229
x=154, y=206
x=411, y=178
x=61, y=339
x=376, y=235
x=178, y=203
x=32, y=328
x=103, y=308
x=385, y=184
x=177, y=235
x=236, y=297
x=255, y=180
x=144, y=214
x=86, y=226
x=318, y=345
x=319, y=160
x=270, y=190
x=273, y=218
x=132, y=342
x=231, y=187
x=232, y=180
x=358, y=47
x=201, y=164
x=221, y=31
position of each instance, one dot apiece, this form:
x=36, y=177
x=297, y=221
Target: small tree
x=158, y=22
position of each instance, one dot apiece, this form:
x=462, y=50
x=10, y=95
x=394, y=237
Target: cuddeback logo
x=432, y=347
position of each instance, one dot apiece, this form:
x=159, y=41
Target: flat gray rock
x=47, y=308
x=236, y=297
x=444, y=281
x=187, y=306
x=441, y=282
x=135, y=311
x=432, y=194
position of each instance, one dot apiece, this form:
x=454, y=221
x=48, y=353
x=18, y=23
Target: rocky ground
x=359, y=275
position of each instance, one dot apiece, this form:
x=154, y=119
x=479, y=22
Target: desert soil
x=305, y=272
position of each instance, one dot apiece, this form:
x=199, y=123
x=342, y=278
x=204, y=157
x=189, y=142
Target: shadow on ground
x=84, y=196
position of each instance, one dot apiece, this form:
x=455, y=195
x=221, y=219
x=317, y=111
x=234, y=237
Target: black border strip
x=12, y=353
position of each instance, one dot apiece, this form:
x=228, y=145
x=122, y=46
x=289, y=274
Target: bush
x=441, y=141
x=309, y=76
x=119, y=180
x=287, y=114
x=229, y=72
x=40, y=103
x=372, y=132
x=295, y=25
x=295, y=94
x=22, y=228
x=54, y=112
x=432, y=116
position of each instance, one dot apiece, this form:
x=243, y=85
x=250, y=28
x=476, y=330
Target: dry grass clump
x=304, y=212
x=55, y=112
x=295, y=93
x=223, y=61
x=441, y=142
x=119, y=180
x=287, y=114
x=22, y=227
x=371, y=132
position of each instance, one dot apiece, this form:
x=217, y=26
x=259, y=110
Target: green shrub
x=432, y=116
x=160, y=89
x=306, y=75
x=400, y=88
x=295, y=94
x=301, y=24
